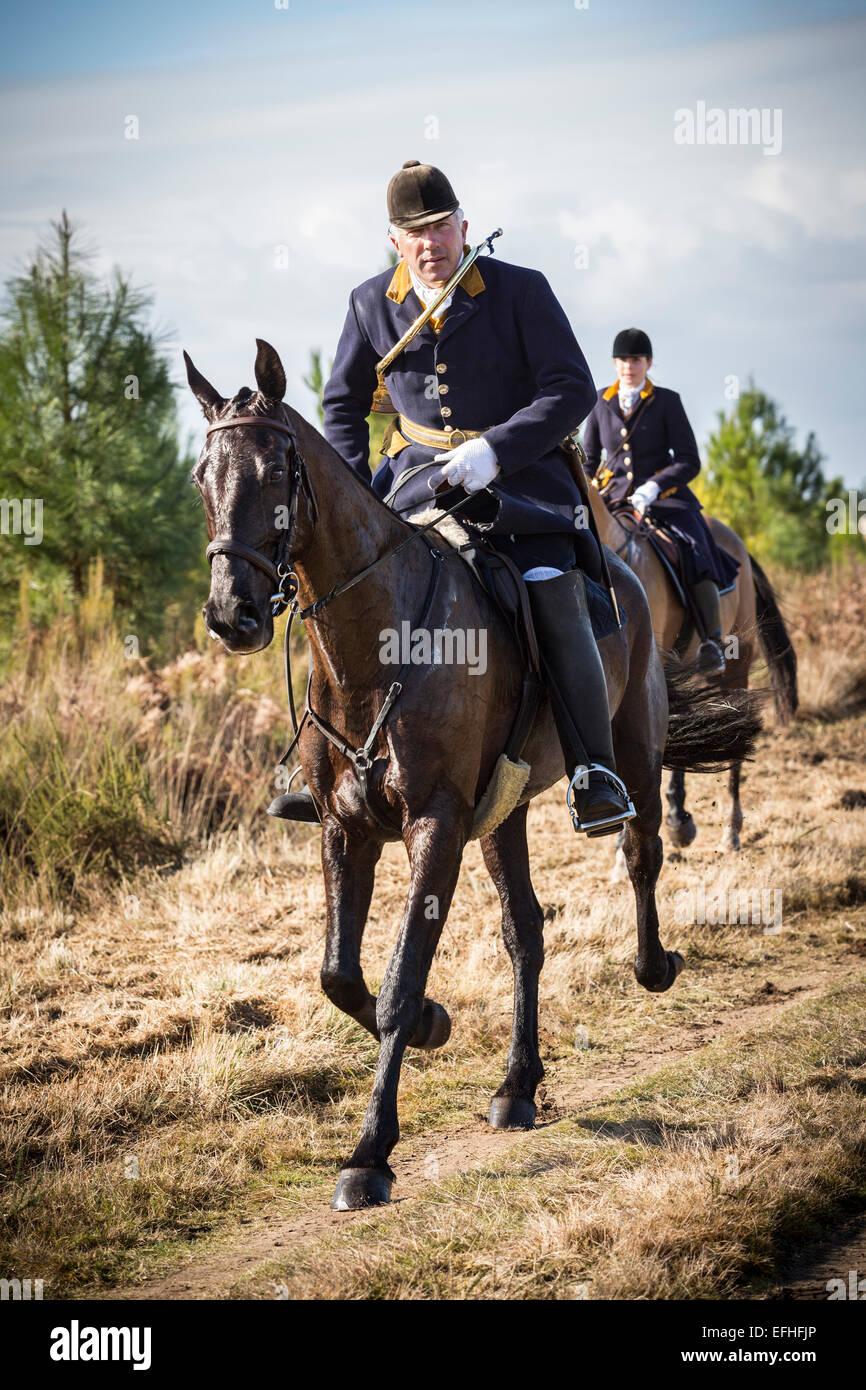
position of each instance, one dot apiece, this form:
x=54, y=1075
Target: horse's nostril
x=247, y=619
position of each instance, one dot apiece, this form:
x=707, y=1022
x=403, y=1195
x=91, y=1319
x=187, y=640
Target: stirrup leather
x=594, y=826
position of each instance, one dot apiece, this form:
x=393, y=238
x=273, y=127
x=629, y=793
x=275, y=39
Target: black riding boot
x=295, y=806
x=711, y=658
x=597, y=798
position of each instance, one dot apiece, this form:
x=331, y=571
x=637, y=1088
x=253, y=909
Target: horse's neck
x=352, y=530
x=612, y=533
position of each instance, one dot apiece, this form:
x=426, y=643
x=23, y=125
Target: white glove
x=644, y=496
x=472, y=464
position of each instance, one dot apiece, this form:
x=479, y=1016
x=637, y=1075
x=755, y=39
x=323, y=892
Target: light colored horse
x=751, y=622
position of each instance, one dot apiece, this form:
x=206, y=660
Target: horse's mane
x=316, y=440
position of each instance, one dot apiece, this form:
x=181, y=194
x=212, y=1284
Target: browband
x=266, y=421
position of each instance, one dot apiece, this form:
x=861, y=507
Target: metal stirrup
x=618, y=784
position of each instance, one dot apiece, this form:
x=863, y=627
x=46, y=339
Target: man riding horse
x=651, y=456
x=484, y=394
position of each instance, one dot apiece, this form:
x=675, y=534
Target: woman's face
x=632, y=370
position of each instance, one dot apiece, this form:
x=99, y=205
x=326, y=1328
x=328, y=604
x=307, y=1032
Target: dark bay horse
x=430, y=760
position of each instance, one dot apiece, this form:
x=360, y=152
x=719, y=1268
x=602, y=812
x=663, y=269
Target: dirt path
x=842, y=1258
x=472, y=1145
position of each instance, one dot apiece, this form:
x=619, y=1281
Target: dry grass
x=107, y=766
x=170, y=1065
x=692, y=1184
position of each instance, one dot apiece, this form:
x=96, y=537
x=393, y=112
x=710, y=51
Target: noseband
x=279, y=571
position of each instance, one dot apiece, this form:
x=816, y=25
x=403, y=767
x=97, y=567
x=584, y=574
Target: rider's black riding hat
x=632, y=342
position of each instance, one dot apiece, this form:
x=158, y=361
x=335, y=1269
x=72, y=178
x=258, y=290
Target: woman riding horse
x=651, y=457
x=487, y=389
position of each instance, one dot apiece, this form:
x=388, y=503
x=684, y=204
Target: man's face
x=435, y=251
x=632, y=370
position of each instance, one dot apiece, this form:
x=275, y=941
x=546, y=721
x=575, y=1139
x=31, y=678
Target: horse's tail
x=708, y=729
x=776, y=646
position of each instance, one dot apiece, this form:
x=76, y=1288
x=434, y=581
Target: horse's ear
x=207, y=396
x=270, y=376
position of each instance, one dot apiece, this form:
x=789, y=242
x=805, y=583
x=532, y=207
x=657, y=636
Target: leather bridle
x=279, y=570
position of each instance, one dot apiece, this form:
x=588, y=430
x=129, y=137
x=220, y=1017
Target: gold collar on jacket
x=401, y=282
x=614, y=391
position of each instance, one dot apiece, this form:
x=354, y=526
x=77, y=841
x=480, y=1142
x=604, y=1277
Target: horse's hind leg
x=507, y=858
x=619, y=872
x=654, y=967
x=679, y=821
x=734, y=824
x=435, y=846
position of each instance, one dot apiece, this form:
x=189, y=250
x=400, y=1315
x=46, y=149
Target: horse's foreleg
x=679, y=821
x=435, y=848
x=734, y=824
x=349, y=868
x=507, y=858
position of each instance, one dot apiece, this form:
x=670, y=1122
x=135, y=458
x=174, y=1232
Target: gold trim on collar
x=614, y=391
x=401, y=282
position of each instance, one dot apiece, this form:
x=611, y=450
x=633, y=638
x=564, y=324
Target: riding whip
x=381, y=400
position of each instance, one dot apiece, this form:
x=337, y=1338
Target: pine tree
x=772, y=493
x=88, y=424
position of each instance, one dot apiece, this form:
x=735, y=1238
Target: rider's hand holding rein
x=644, y=496
x=472, y=464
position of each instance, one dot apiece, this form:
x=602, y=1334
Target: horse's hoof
x=675, y=964
x=682, y=832
x=730, y=840
x=434, y=1030
x=362, y=1187
x=511, y=1112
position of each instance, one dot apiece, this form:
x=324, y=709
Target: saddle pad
x=668, y=547
x=493, y=574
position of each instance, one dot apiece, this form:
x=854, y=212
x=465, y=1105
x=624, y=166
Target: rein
x=637, y=526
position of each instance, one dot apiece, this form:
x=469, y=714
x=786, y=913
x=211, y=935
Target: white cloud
x=749, y=259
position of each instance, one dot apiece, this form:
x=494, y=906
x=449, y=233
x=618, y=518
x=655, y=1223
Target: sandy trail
x=843, y=1258
x=473, y=1145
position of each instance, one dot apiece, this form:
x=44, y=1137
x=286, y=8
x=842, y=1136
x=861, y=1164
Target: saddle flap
x=507, y=587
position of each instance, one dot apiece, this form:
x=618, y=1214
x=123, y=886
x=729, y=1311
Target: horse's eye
x=277, y=472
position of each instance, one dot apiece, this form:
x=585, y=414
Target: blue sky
x=262, y=128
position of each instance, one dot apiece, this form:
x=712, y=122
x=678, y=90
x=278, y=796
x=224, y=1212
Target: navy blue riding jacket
x=504, y=361
x=661, y=447
x=655, y=441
